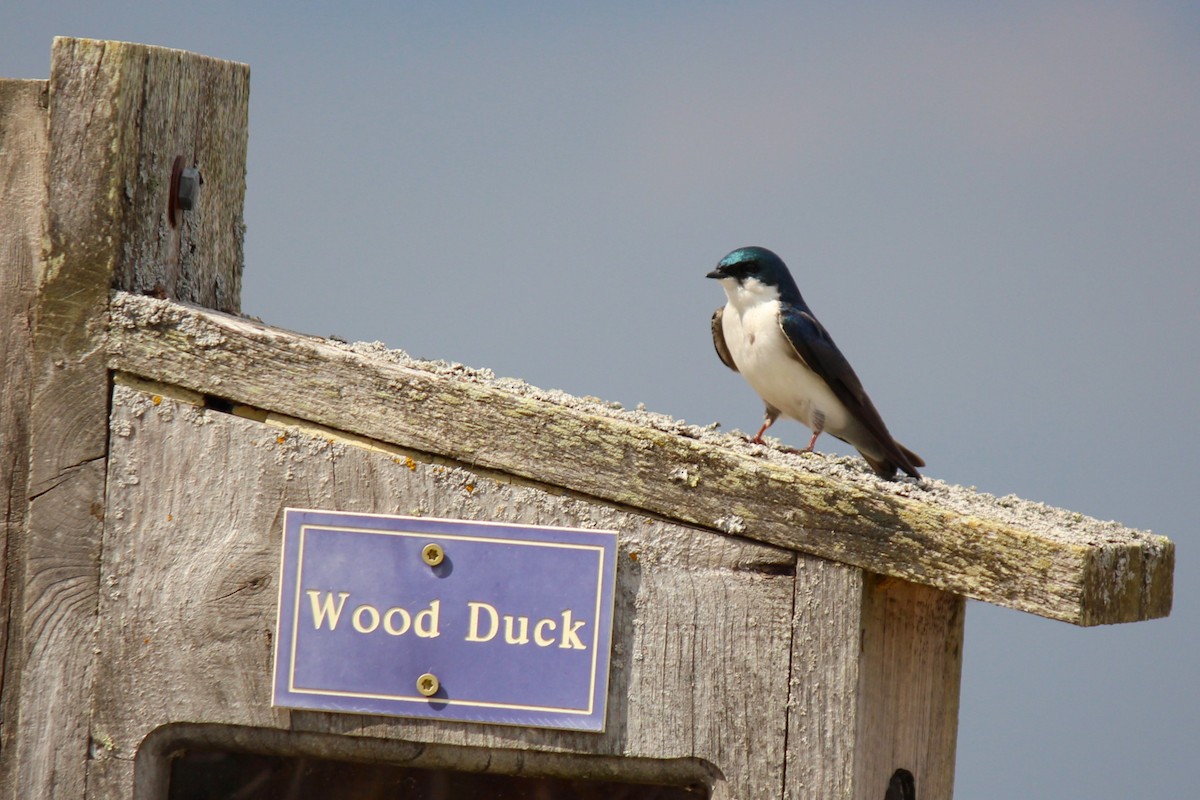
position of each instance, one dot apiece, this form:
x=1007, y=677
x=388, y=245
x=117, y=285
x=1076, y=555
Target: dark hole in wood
x=902, y=786
x=213, y=774
x=218, y=404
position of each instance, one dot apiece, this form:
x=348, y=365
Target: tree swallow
x=768, y=334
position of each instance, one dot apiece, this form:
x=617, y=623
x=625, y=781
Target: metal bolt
x=433, y=554
x=189, y=189
x=428, y=684
x=185, y=189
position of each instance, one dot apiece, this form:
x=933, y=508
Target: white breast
x=764, y=358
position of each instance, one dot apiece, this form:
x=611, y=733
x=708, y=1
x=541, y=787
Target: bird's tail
x=901, y=458
x=912, y=457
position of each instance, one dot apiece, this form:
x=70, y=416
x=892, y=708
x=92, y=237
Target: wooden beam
x=1082, y=572
x=23, y=152
x=119, y=116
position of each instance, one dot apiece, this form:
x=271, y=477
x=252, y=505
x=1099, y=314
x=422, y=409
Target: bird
x=766, y=332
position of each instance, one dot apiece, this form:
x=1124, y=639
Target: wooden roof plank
x=1069, y=568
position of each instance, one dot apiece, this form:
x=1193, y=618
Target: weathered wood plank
x=823, y=704
x=876, y=668
x=702, y=634
x=908, y=688
x=118, y=115
x=1075, y=573
x=23, y=153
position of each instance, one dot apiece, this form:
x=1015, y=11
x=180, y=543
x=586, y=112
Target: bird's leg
x=818, y=421
x=769, y=418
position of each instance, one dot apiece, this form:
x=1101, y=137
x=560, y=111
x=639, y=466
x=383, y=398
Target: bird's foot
x=783, y=448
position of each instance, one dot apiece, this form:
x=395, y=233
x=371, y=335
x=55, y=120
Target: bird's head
x=755, y=271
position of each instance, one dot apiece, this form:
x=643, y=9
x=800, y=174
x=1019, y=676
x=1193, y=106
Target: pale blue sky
x=995, y=209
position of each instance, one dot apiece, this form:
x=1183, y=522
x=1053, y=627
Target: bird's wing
x=718, y=334
x=813, y=346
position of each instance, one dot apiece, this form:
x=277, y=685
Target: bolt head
x=189, y=189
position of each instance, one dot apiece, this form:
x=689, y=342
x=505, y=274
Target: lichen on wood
x=1013, y=553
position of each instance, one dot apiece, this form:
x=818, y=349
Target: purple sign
x=446, y=619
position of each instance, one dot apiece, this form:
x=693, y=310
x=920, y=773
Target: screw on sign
x=428, y=684
x=433, y=554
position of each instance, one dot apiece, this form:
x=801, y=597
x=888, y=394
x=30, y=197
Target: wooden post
x=23, y=151
x=118, y=117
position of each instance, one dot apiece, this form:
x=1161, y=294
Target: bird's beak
x=717, y=273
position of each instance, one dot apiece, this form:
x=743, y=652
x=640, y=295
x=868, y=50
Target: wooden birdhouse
x=242, y=561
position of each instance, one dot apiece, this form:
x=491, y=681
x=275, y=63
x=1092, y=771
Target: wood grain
x=23, y=153
x=118, y=115
x=876, y=670
x=1123, y=576
x=702, y=629
x=826, y=654
x=908, y=688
